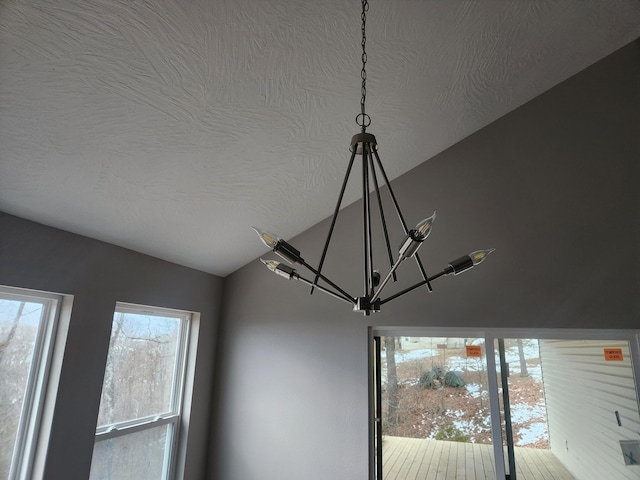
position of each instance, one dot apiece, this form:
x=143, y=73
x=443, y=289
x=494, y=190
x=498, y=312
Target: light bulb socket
x=286, y=251
x=284, y=271
x=460, y=265
x=410, y=244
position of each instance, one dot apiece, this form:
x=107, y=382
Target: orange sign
x=474, y=351
x=613, y=354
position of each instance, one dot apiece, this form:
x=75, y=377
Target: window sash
x=108, y=432
x=173, y=416
x=179, y=365
x=24, y=448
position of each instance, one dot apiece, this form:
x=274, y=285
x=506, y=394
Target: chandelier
x=364, y=145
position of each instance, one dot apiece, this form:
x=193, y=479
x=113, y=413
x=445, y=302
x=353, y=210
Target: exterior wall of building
x=583, y=393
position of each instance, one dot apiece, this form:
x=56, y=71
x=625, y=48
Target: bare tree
x=17, y=341
x=523, y=361
x=392, y=380
x=12, y=330
x=138, y=382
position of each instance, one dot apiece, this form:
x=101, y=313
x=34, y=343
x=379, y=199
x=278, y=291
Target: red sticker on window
x=474, y=351
x=613, y=354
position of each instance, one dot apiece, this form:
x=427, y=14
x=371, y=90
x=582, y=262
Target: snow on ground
x=530, y=348
x=464, y=363
x=520, y=413
x=533, y=431
x=531, y=352
x=409, y=355
x=476, y=390
x=534, y=417
x=532, y=434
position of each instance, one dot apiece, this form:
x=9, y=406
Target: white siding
x=583, y=392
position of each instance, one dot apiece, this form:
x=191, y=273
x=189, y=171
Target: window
x=142, y=395
x=28, y=323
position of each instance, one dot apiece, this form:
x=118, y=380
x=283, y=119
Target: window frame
x=174, y=416
x=30, y=423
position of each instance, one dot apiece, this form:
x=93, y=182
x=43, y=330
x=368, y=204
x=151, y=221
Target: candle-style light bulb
x=465, y=262
x=423, y=228
x=479, y=255
x=270, y=264
x=280, y=269
x=415, y=237
x=268, y=239
x=279, y=246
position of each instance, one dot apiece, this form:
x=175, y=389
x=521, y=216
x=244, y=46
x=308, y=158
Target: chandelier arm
x=419, y=284
x=402, y=221
x=427, y=281
x=333, y=221
x=326, y=290
x=387, y=278
x=366, y=212
x=320, y=275
x=382, y=217
x=393, y=196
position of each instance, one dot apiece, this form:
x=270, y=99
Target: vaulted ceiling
x=169, y=127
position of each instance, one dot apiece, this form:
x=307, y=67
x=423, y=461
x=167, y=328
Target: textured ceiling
x=169, y=127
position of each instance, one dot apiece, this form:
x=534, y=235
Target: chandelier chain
x=363, y=119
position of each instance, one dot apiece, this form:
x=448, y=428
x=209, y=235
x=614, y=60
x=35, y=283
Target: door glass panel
x=574, y=409
x=435, y=409
x=523, y=411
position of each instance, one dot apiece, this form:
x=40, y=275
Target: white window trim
x=35, y=418
x=180, y=400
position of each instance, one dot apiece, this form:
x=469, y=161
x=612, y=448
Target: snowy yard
x=441, y=412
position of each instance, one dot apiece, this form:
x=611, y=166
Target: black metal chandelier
x=364, y=145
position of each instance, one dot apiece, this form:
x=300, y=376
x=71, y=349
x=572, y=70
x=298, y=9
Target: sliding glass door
x=574, y=401
x=491, y=406
x=433, y=408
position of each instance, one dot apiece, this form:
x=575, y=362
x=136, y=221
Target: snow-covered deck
x=418, y=459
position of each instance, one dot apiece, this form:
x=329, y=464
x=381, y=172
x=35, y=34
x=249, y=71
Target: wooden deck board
x=424, y=459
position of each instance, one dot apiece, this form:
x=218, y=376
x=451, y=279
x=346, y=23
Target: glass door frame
x=490, y=336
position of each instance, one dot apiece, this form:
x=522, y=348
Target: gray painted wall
x=552, y=186
x=98, y=275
